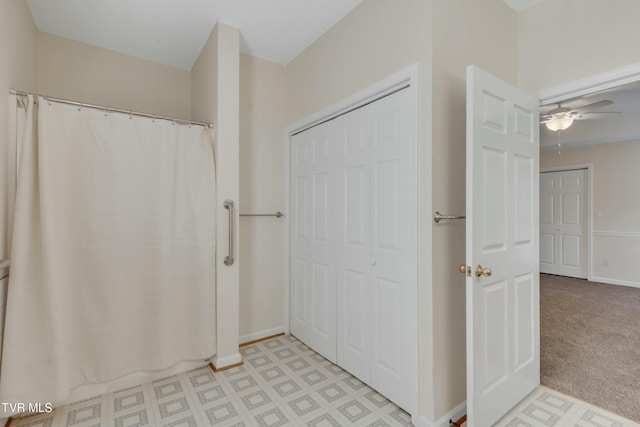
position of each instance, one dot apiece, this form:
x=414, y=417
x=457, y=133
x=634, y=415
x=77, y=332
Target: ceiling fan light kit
x=560, y=118
x=559, y=124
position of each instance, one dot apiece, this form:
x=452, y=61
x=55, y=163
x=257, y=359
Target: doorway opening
x=584, y=324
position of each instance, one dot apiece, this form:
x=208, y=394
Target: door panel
x=493, y=199
x=495, y=334
x=382, y=206
x=546, y=208
x=563, y=223
x=313, y=288
x=387, y=299
x=525, y=291
x=357, y=212
x=393, y=209
x=354, y=335
x=354, y=275
x=387, y=205
x=320, y=206
x=570, y=207
x=503, y=354
x=547, y=249
x=525, y=203
x=321, y=322
x=301, y=273
x=570, y=251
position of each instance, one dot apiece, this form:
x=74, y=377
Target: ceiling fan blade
x=592, y=116
x=594, y=106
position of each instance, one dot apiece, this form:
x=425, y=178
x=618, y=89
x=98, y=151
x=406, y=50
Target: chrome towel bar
x=277, y=214
x=437, y=217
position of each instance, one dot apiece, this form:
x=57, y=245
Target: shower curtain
x=113, y=251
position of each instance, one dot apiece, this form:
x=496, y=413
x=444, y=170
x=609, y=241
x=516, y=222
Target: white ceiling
x=173, y=32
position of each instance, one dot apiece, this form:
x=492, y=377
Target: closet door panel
x=354, y=294
x=314, y=268
x=322, y=293
x=322, y=244
x=392, y=234
x=301, y=263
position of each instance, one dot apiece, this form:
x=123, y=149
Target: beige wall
x=616, y=206
x=262, y=190
x=563, y=40
x=375, y=40
x=18, y=59
x=465, y=32
x=215, y=98
x=204, y=82
x=77, y=71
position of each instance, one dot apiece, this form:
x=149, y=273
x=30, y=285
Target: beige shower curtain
x=113, y=251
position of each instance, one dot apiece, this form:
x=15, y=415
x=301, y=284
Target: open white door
x=503, y=296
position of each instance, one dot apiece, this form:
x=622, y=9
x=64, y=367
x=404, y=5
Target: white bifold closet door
x=313, y=236
x=563, y=223
x=353, y=243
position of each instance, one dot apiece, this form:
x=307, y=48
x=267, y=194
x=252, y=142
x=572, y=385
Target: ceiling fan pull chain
x=559, y=147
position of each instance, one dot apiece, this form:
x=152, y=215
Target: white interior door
x=313, y=262
x=563, y=223
x=503, y=344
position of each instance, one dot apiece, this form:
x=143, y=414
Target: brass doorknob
x=486, y=272
x=462, y=268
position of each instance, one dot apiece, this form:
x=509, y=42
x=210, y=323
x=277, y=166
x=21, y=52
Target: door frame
x=410, y=78
x=590, y=84
x=589, y=193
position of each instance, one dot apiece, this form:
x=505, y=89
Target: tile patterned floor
x=548, y=408
x=284, y=383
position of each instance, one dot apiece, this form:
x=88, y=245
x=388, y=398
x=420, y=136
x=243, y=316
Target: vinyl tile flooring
x=545, y=407
x=283, y=383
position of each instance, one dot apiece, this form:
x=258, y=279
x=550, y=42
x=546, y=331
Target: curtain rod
x=110, y=109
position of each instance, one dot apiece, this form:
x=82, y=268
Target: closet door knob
x=373, y=262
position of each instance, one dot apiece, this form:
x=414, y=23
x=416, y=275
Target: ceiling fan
x=560, y=118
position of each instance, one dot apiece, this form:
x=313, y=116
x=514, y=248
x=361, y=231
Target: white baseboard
x=421, y=422
x=453, y=414
x=615, y=282
x=443, y=421
x=261, y=334
x=223, y=362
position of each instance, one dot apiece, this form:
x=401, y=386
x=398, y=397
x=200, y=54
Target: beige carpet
x=590, y=342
